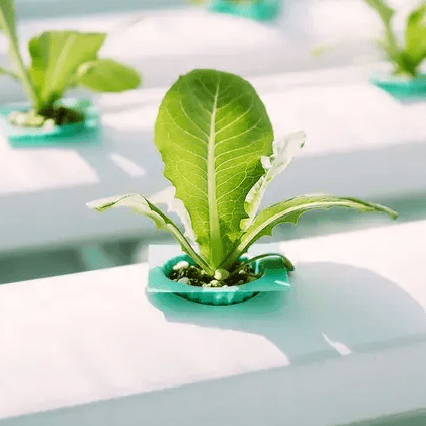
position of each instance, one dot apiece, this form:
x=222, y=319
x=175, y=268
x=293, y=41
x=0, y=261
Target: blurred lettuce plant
x=406, y=58
x=60, y=60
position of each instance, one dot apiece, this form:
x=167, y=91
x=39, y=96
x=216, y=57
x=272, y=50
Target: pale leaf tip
x=95, y=204
x=393, y=214
x=296, y=139
x=102, y=204
x=91, y=204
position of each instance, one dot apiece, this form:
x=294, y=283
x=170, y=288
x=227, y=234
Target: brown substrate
x=194, y=275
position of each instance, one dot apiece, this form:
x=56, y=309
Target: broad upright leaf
x=415, y=35
x=7, y=18
x=106, y=75
x=56, y=55
x=212, y=130
x=143, y=206
x=291, y=210
x=283, y=152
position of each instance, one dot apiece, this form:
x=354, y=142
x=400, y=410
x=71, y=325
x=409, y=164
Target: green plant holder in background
x=33, y=136
x=273, y=278
x=260, y=10
x=402, y=88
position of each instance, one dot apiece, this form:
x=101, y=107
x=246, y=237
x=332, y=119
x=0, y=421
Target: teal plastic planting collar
x=35, y=135
x=273, y=273
x=260, y=10
x=400, y=87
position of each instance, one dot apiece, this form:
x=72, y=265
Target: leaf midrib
x=215, y=234
x=58, y=67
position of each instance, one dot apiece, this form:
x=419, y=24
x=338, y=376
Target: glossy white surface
x=348, y=343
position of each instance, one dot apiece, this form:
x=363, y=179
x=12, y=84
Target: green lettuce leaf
x=8, y=27
x=283, y=152
x=212, y=130
x=390, y=42
x=36, y=71
x=290, y=211
x=7, y=18
x=415, y=36
x=143, y=206
x=385, y=12
x=106, y=75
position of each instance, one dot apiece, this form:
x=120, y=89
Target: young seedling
x=407, y=56
x=60, y=60
x=218, y=148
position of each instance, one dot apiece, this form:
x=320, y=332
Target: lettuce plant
x=60, y=60
x=406, y=58
x=217, y=145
